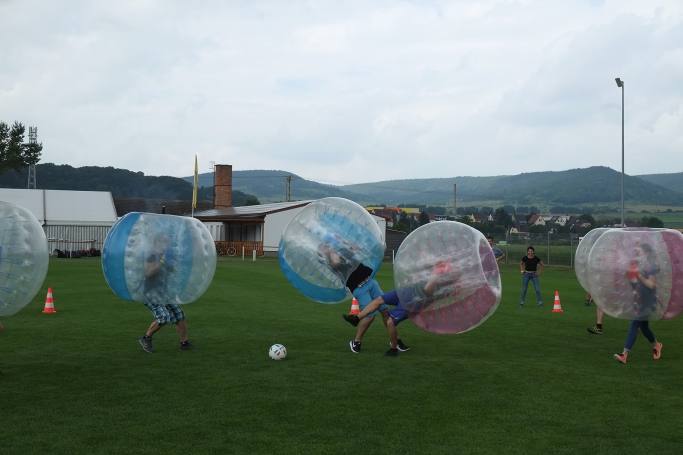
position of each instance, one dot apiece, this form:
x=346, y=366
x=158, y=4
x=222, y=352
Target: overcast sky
x=347, y=92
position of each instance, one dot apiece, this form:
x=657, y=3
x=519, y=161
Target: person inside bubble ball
x=641, y=275
x=531, y=268
x=441, y=272
x=497, y=252
x=340, y=256
x=157, y=269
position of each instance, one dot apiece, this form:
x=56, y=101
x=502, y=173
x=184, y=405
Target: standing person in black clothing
x=531, y=268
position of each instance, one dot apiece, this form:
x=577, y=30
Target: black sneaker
x=402, y=346
x=391, y=352
x=146, y=343
x=595, y=330
x=185, y=345
x=355, y=346
x=351, y=319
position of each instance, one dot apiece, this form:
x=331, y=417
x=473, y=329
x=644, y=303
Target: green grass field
x=526, y=381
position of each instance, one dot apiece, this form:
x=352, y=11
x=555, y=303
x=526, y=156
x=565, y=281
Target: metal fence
x=72, y=240
x=552, y=249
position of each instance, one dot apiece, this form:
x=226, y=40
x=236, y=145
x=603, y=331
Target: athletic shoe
x=146, y=343
x=185, y=345
x=351, y=319
x=621, y=358
x=402, y=346
x=539, y=304
x=595, y=330
x=657, y=351
x=391, y=352
x=355, y=346
x=521, y=304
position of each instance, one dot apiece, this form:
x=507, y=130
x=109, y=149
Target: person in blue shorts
x=366, y=290
x=399, y=313
x=156, y=276
x=335, y=252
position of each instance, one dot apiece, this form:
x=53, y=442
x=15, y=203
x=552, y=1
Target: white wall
x=217, y=230
x=31, y=200
x=382, y=223
x=275, y=225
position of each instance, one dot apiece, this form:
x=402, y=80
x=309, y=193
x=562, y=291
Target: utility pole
x=289, y=188
x=455, y=199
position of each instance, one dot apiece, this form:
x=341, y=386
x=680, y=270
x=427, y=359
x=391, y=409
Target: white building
x=72, y=220
x=255, y=227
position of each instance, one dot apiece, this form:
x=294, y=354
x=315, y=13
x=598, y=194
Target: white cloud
x=347, y=92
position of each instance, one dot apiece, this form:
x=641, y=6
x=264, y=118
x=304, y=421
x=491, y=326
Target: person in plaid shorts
x=156, y=277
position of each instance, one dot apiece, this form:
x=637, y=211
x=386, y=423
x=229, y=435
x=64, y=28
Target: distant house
x=519, y=232
x=535, y=220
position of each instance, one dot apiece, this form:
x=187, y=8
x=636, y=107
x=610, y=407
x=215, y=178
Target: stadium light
x=620, y=84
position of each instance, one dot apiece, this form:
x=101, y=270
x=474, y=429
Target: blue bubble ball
x=156, y=258
x=325, y=243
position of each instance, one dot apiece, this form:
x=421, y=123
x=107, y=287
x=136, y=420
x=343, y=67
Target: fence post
x=243, y=252
x=253, y=256
x=571, y=250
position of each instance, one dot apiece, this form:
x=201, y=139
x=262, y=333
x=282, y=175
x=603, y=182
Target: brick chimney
x=222, y=186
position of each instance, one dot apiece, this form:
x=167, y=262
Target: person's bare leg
x=153, y=328
x=393, y=333
x=599, y=316
x=363, y=327
x=181, y=329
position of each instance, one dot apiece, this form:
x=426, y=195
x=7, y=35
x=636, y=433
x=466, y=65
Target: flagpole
x=195, y=185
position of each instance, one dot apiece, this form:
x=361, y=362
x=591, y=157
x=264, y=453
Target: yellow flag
x=196, y=183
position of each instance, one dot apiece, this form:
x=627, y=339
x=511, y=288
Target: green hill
x=121, y=183
x=673, y=181
x=576, y=186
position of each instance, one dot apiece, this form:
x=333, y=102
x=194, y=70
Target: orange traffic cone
x=49, y=303
x=355, y=308
x=557, y=307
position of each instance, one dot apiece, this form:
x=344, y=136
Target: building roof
x=247, y=212
x=57, y=207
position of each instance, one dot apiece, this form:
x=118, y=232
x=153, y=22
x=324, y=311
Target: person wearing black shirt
x=531, y=267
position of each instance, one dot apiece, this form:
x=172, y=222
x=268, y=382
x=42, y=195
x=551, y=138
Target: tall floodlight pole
x=620, y=84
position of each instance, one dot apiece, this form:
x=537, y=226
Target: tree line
x=15, y=152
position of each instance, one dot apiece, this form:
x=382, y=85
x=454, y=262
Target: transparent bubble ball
x=23, y=257
x=637, y=273
x=447, y=278
x=165, y=258
x=582, y=252
x=324, y=243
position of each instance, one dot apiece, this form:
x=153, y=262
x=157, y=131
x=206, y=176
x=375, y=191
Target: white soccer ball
x=277, y=352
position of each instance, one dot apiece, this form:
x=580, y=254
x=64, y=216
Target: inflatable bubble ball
x=325, y=243
x=156, y=258
x=446, y=277
x=23, y=257
x=637, y=273
x=582, y=252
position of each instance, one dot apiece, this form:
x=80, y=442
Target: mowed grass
x=526, y=381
